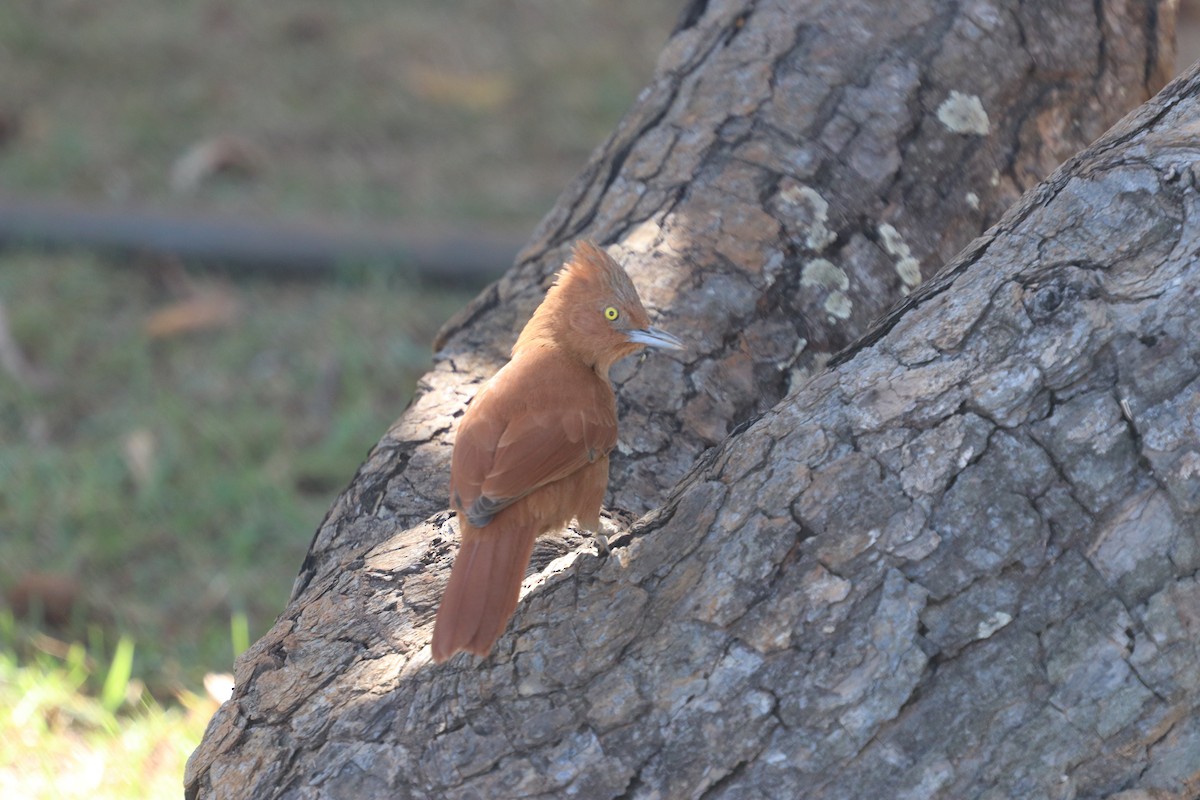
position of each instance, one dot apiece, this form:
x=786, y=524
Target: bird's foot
x=601, y=542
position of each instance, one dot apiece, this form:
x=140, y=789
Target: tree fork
x=923, y=570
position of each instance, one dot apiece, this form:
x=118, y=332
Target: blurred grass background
x=467, y=109
x=175, y=436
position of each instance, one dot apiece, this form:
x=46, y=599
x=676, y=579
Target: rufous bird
x=531, y=452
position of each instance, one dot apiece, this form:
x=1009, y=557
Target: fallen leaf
x=226, y=154
x=473, y=91
x=49, y=597
x=139, y=449
x=206, y=310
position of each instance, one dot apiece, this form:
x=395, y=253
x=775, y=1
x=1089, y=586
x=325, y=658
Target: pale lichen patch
x=838, y=305
x=995, y=622
x=825, y=274
x=963, y=113
x=893, y=242
x=909, y=270
x=817, y=235
x=907, y=267
x=973, y=200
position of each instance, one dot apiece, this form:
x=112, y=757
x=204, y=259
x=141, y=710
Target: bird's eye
x=611, y=314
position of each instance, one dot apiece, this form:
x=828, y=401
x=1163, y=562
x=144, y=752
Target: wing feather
x=519, y=435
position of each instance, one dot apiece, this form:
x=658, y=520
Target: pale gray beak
x=653, y=337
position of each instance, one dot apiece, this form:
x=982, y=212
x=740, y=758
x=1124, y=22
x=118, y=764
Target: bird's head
x=594, y=311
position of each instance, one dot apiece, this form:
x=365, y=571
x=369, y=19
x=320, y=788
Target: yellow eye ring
x=611, y=314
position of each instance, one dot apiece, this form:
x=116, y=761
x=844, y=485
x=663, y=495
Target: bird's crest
x=596, y=270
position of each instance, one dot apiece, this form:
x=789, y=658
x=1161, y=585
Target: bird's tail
x=483, y=588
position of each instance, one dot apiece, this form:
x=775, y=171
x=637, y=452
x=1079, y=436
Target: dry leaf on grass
x=47, y=596
x=207, y=310
x=473, y=91
x=139, y=448
x=226, y=154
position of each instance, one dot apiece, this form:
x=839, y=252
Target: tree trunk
x=954, y=561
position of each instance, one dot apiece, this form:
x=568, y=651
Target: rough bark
x=956, y=562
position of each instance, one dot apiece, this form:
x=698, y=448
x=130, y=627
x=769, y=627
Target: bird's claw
x=601, y=541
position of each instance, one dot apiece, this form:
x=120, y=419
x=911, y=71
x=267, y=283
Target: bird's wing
x=499, y=460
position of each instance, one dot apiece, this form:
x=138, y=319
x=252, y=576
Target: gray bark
x=956, y=561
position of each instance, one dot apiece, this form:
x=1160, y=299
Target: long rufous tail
x=483, y=588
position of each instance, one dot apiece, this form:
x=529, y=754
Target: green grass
x=173, y=484
x=57, y=739
x=418, y=110
x=247, y=431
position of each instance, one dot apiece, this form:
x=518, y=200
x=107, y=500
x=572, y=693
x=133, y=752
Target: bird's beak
x=653, y=337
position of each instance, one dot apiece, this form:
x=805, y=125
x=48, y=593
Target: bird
x=531, y=452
